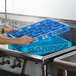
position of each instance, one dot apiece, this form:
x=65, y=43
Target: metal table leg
x=23, y=69
x=65, y=73
x=44, y=69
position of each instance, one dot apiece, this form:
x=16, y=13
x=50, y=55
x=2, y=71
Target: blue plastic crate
x=43, y=47
x=40, y=30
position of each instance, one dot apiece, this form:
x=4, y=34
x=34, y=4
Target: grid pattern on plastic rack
x=44, y=47
x=41, y=30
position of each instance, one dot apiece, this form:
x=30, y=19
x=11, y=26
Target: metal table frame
x=44, y=60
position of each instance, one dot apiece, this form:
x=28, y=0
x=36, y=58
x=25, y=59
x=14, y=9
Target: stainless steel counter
x=44, y=60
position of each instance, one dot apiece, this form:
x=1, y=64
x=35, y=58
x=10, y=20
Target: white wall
x=65, y=9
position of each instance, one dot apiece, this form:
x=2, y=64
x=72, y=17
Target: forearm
x=9, y=40
x=0, y=30
x=6, y=30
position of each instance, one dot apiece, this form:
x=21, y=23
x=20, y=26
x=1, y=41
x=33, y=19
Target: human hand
x=25, y=40
x=9, y=29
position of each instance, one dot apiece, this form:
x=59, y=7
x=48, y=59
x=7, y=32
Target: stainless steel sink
x=67, y=60
x=69, y=36
x=70, y=59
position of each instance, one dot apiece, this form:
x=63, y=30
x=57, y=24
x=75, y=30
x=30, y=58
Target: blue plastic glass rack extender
x=43, y=47
x=41, y=30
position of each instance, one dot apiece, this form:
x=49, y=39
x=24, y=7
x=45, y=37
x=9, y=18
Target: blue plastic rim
x=44, y=47
x=40, y=30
